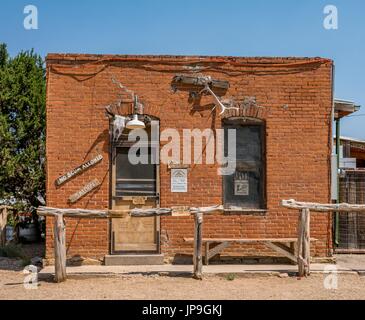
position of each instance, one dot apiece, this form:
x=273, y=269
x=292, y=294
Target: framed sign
x=241, y=188
x=179, y=180
x=241, y=184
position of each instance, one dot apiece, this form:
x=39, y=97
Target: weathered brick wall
x=297, y=144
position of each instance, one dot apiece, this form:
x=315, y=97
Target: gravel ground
x=162, y=287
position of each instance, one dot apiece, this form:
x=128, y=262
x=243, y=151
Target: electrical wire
x=185, y=62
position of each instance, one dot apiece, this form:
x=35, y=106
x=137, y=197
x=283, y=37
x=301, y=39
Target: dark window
x=134, y=180
x=246, y=187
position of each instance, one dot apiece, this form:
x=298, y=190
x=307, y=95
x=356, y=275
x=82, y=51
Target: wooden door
x=134, y=186
x=132, y=234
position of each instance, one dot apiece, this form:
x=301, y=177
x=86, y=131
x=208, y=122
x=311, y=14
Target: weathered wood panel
x=60, y=248
x=198, y=244
x=74, y=172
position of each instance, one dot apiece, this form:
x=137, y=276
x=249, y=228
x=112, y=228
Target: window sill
x=245, y=211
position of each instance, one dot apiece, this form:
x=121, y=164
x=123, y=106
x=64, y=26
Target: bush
x=11, y=251
x=230, y=276
x=26, y=262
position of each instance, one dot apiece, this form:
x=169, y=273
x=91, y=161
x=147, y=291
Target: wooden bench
x=283, y=246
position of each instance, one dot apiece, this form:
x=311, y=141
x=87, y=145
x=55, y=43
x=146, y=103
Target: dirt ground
x=163, y=287
x=141, y=287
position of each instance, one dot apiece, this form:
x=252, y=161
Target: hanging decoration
x=118, y=126
x=203, y=85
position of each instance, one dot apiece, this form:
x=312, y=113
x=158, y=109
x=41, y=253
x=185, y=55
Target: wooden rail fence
x=303, y=242
x=304, y=226
x=59, y=230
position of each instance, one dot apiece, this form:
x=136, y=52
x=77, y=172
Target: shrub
x=230, y=277
x=11, y=251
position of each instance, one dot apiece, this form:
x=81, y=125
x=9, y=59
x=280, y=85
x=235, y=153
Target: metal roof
x=344, y=108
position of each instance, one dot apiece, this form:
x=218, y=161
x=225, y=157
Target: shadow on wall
x=103, y=138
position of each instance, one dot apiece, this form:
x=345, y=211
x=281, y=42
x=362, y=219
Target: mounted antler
x=204, y=84
x=123, y=88
x=218, y=101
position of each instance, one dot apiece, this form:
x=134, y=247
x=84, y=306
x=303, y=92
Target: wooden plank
x=198, y=81
x=306, y=248
x=304, y=243
x=198, y=261
x=84, y=191
x=340, y=207
x=205, y=210
x=74, y=172
x=76, y=213
x=350, y=251
x=150, y=212
x=60, y=249
x=282, y=240
x=300, y=244
x=134, y=233
x=285, y=251
x=217, y=249
x=85, y=213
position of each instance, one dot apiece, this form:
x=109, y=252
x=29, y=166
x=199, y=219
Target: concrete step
x=134, y=260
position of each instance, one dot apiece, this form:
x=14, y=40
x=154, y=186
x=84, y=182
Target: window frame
x=123, y=142
x=120, y=193
x=243, y=121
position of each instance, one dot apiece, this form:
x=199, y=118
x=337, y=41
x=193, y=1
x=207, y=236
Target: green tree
x=22, y=128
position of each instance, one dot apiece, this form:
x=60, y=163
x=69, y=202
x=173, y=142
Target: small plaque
x=179, y=180
x=241, y=188
x=139, y=200
x=241, y=184
x=181, y=211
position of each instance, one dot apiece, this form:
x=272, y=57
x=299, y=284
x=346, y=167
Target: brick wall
x=297, y=143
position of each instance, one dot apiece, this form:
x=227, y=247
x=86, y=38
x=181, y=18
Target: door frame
x=112, y=194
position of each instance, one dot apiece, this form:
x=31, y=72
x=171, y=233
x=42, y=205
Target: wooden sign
x=84, y=191
x=180, y=211
x=61, y=180
x=139, y=200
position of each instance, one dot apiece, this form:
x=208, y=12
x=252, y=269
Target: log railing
x=304, y=226
x=303, y=255
x=59, y=230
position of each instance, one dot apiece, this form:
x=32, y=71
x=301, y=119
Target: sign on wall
x=84, y=191
x=241, y=184
x=179, y=180
x=67, y=176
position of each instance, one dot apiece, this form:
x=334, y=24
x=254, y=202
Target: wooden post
x=307, y=241
x=304, y=243
x=198, y=244
x=59, y=248
x=3, y=221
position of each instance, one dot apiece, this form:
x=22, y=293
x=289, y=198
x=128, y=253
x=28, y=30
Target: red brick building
x=284, y=109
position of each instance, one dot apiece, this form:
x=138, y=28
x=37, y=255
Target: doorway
x=135, y=186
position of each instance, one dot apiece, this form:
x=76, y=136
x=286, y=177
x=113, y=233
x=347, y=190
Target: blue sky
x=201, y=27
